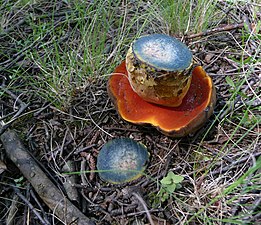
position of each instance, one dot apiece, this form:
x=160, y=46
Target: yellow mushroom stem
x=165, y=88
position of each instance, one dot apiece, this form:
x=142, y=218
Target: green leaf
x=171, y=188
x=166, y=180
x=230, y=81
x=171, y=178
x=258, y=27
x=177, y=179
x=163, y=195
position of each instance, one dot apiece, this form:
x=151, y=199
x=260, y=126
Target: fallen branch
x=216, y=30
x=48, y=192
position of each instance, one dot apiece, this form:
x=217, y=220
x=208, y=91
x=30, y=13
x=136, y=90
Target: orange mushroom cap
x=197, y=106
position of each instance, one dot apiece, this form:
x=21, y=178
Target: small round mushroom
x=196, y=107
x=122, y=160
x=159, y=69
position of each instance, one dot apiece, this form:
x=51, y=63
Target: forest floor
x=63, y=121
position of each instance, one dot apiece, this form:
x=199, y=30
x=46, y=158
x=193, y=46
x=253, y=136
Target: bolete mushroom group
x=159, y=84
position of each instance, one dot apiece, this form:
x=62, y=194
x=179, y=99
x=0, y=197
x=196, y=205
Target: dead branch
x=215, y=30
x=49, y=193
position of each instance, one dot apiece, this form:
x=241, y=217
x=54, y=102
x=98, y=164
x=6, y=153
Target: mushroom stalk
x=159, y=69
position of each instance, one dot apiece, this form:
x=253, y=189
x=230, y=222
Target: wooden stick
x=49, y=193
x=216, y=30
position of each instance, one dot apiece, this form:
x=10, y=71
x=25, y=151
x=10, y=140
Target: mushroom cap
x=159, y=69
x=162, y=52
x=122, y=160
x=196, y=107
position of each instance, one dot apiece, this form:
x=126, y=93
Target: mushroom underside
x=197, y=106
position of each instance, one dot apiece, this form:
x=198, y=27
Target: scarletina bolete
x=159, y=84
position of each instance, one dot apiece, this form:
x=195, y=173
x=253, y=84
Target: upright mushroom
x=159, y=69
x=159, y=85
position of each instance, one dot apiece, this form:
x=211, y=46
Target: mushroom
x=122, y=160
x=196, y=107
x=159, y=69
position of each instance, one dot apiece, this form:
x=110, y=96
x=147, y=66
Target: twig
x=215, y=30
x=144, y=206
x=38, y=203
x=234, y=163
x=9, y=29
x=23, y=107
x=69, y=180
x=50, y=194
x=97, y=125
x=12, y=210
x=254, y=205
x=19, y=55
x=19, y=194
x=78, y=151
x=233, y=103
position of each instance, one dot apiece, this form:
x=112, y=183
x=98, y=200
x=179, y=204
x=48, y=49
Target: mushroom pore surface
x=197, y=106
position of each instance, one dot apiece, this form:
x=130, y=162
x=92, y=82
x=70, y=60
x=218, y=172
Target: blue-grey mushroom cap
x=122, y=160
x=162, y=52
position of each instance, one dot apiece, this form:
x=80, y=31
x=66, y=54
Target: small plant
x=169, y=184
